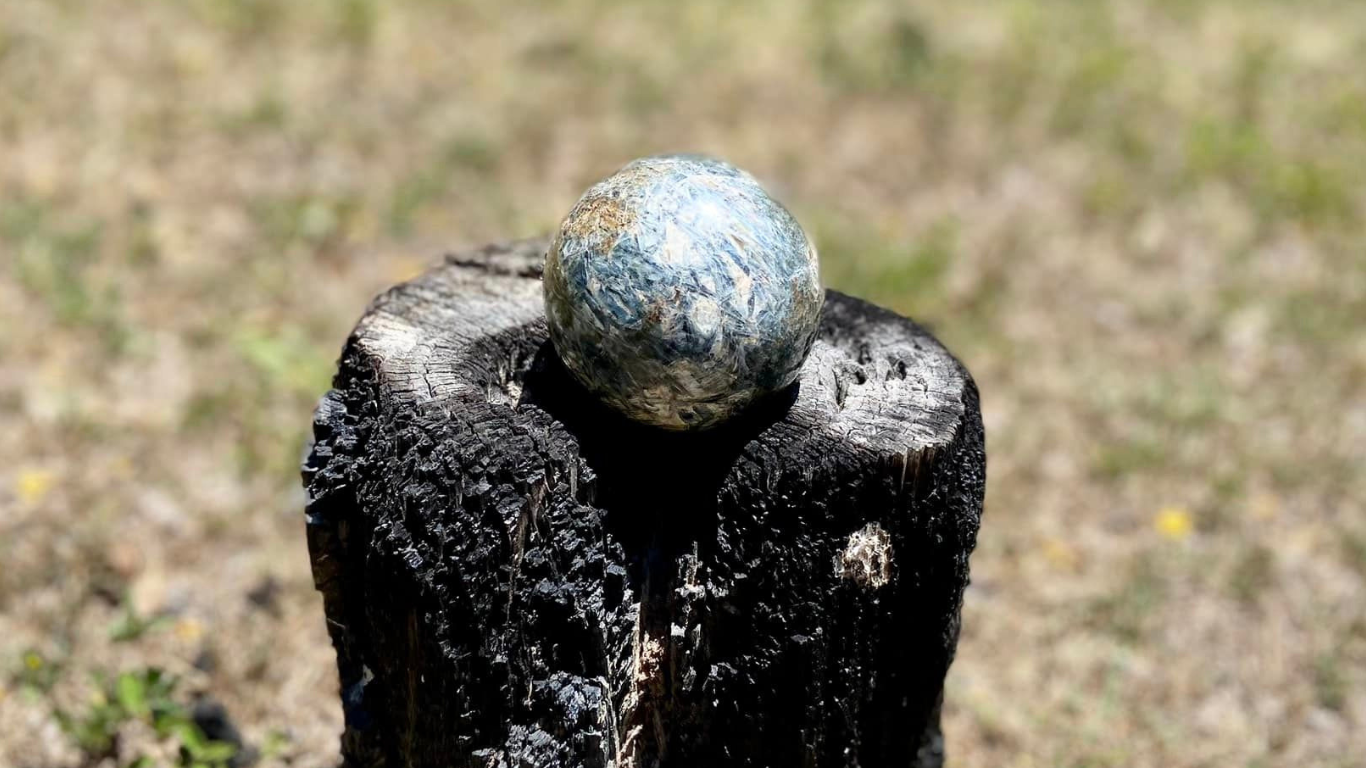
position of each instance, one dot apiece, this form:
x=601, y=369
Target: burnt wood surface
x=514, y=576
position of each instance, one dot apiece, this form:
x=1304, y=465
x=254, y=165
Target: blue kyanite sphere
x=678, y=292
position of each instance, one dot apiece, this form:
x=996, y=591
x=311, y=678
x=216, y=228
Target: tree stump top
x=470, y=328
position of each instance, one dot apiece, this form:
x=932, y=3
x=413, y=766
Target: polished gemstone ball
x=679, y=292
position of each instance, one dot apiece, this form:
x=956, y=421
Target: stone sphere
x=679, y=292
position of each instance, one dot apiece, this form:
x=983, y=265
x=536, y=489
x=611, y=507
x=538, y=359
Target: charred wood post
x=515, y=576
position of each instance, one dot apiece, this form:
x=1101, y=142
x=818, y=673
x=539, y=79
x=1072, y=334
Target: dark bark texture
x=514, y=576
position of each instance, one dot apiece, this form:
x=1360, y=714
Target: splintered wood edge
x=874, y=380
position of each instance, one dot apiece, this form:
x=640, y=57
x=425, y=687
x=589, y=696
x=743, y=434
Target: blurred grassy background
x=1141, y=224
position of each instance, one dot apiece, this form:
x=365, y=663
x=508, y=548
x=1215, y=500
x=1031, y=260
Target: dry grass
x=1142, y=224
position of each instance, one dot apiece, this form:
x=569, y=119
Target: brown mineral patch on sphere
x=599, y=217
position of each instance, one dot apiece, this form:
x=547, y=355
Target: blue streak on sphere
x=679, y=292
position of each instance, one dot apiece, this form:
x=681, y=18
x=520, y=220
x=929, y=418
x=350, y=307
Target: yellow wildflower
x=32, y=485
x=1060, y=554
x=1174, y=523
x=189, y=630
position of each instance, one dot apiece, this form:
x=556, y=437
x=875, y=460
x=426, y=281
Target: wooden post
x=514, y=576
